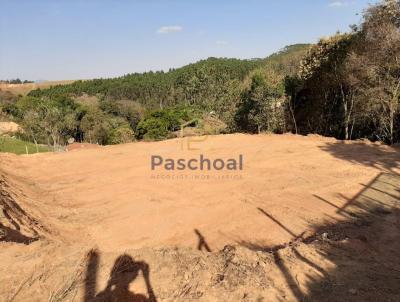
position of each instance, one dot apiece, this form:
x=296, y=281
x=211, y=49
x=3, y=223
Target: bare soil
x=27, y=87
x=307, y=219
x=9, y=127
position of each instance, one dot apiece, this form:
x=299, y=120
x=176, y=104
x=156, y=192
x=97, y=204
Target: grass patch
x=17, y=146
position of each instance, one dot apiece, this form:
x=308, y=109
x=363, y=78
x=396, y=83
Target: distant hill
x=193, y=84
x=287, y=60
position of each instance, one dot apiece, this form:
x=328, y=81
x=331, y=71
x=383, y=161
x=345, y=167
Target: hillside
x=212, y=96
x=193, y=84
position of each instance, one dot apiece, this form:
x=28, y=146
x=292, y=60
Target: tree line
x=348, y=85
x=15, y=81
x=148, y=106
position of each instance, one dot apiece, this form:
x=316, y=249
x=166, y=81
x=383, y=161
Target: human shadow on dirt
x=123, y=273
x=361, y=248
x=383, y=157
x=202, y=244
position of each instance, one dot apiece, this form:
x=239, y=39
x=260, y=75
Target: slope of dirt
x=17, y=224
x=308, y=218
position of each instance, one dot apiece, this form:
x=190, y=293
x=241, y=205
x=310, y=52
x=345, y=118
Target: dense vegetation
x=346, y=86
x=201, y=83
x=152, y=105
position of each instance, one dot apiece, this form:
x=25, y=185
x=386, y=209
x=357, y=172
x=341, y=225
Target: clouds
x=169, y=29
x=338, y=4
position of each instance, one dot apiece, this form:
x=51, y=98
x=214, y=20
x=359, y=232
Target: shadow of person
x=124, y=271
x=202, y=242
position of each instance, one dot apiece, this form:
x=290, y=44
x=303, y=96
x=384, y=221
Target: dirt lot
x=26, y=88
x=307, y=219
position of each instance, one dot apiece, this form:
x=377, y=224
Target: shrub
x=159, y=124
x=121, y=135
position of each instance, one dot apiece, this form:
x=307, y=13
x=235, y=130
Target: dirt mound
x=9, y=127
x=307, y=219
x=208, y=125
x=16, y=224
x=78, y=146
x=350, y=262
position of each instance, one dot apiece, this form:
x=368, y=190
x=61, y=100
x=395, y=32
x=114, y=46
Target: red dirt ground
x=291, y=190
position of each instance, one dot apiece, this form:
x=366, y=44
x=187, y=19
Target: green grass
x=17, y=146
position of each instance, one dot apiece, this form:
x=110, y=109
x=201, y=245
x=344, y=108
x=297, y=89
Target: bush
x=95, y=126
x=121, y=135
x=159, y=124
x=152, y=128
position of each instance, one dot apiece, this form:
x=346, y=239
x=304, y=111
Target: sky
x=82, y=39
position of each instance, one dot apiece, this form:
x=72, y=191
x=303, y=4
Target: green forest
x=346, y=86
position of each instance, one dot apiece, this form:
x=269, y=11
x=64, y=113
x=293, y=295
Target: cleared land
x=306, y=218
x=26, y=88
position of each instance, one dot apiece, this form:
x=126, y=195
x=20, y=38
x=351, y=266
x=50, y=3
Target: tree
x=159, y=124
x=293, y=85
x=260, y=108
x=380, y=65
x=351, y=82
x=95, y=126
x=323, y=72
x=50, y=121
x=248, y=114
x=32, y=125
x=121, y=135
